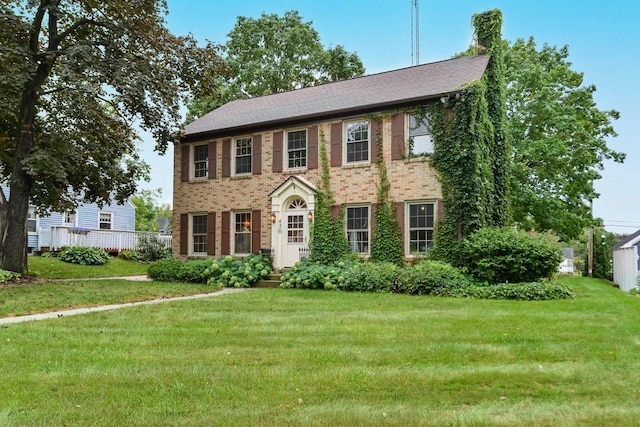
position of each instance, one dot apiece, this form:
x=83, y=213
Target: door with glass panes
x=296, y=228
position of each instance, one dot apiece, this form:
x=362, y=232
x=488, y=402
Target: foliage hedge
x=224, y=272
x=309, y=274
x=428, y=277
x=506, y=255
x=229, y=272
x=373, y=277
x=84, y=255
x=434, y=278
x=165, y=270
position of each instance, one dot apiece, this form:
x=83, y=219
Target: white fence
x=57, y=237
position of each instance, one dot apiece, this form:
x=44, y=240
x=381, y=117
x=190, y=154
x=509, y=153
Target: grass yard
x=274, y=357
x=53, y=268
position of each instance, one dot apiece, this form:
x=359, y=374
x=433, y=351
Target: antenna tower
x=415, y=33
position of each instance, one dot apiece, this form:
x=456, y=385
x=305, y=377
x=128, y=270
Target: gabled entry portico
x=292, y=205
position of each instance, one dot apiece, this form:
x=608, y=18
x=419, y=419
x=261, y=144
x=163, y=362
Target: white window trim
x=191, y=234
x=193, y=161
x=233, y=231
x=234, y=147
x=345, y=143
x=111, y=214
x=37, y=222
x=407, y=223
x=407, y=132
x=75, y=218
x=285, y=151
x=369, y=231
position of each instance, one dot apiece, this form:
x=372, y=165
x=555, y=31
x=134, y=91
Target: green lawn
x=292, y=357
x=53, y=268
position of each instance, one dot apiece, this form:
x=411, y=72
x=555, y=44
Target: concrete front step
x=271, y=281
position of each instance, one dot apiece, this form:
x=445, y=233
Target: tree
x=147, y=211
x=559, y=139
x=75, y=77
x=274, y=54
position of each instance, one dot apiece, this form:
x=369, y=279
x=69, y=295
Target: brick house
x=245, y=174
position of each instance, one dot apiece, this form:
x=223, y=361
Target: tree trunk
x=13, y=252
x=13, y=231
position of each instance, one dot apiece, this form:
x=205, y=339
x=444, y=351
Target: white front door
x=296, y=236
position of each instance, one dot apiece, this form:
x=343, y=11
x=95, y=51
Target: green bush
x=193, y=271
x=230, y=272
x=84, y=255
x=307, y=274
x=152, y=248
x=506, y=255
x=131, y=255
x=434, y=278
x=7, y=276
x=382, y=277
x=165, y=270
x=535, y=291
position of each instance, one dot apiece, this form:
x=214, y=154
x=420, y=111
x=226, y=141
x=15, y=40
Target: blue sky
x=603, y=37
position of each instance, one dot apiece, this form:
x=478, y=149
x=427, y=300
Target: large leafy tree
x=148, y=212
x=274, y=54
x=559, y=139
x=77, y=77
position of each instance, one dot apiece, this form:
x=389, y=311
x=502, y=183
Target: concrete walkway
x=58, y=314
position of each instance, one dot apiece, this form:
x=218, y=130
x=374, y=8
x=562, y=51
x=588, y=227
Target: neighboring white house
x=109, y=227
x=626, y=262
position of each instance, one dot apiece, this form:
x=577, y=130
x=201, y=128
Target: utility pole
x=590, y=244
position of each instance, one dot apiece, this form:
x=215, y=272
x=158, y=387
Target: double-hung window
x=242, y=233
x=199, y=233
x=200, y=161
x=69, y=218
x=105, y=221
x=358, y=229
x=242, y=156
x=297, y=149
x=357, y=141
x=31, y=220
x=420, y=141
x=421, y=219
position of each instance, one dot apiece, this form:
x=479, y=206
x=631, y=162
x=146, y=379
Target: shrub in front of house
x=506, y=255
x=84, y=255
x=193, y=271
x=434, y=278
x=382, y=277
x=229, y=272
x=308, y=274
x=165, y=270
x=427, y=277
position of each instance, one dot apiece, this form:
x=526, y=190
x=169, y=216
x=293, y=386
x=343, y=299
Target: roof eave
x=325, y=115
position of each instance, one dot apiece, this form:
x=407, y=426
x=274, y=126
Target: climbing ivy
x=328, y=240
x=471, y=149
x=462, y=132
x=488, y=32
x=387, y=237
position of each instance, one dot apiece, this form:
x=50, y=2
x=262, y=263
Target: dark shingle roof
x=627, y=241
x=395, y=87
